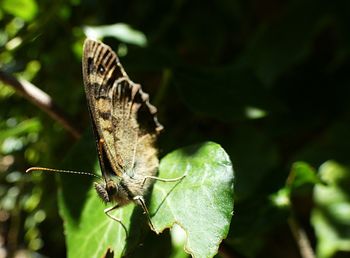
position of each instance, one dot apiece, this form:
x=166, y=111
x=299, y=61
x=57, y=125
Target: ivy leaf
x=89, y=232
x=96, y=233
x=206, y=191
x=202, y=202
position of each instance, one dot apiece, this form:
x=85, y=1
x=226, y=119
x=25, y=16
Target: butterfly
x=126, y=128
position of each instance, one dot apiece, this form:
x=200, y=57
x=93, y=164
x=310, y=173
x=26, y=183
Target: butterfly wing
x=121, y=113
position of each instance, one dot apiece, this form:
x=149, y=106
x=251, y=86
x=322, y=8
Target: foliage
x=89, y=232
x=267, y=80
x=331, y=215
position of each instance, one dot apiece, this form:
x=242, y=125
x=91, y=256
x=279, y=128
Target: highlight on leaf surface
x=202, y=203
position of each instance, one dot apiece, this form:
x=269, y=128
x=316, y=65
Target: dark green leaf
x=278, y=46
x=228, y=93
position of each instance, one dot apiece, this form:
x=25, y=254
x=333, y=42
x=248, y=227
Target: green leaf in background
x=300, y=177
x=202, y=202
x=25, y=9
x=278, y=46
x=331, y=216
x=178, y=240
x=27, y=126
x=255, y=155
x=218, y=93
x=302, y=174
x=120, y=31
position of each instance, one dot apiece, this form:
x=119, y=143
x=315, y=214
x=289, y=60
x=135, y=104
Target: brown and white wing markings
x=121, y=113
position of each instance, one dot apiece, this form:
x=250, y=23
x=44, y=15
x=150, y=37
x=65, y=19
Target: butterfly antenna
x=29, y=170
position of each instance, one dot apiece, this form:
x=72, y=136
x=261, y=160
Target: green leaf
x=331, y=216
x=178, y=239
x=120, y=31
x=202, y=202
x=25, y=9
x=256, y=218
x=27, y=126
x=302, y=174
x=255, y=156
x=224, y=93
x=276, y=47
x=95, y=232
x=206, y=191
x=89, y=232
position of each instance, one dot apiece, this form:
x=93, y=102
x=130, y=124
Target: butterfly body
x=124, y=189
x=124, y=124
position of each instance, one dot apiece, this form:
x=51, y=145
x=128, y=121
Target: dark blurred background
x=268, y=80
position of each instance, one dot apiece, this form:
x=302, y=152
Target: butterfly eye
x=111, y=188
x=101, y=69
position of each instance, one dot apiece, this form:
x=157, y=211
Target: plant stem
x=42, y=100
x=301, y=238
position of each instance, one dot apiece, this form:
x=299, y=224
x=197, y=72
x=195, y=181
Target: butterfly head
x=107, y=190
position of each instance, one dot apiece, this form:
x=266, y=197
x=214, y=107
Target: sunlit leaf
x=331, y=216
x=202, y=202
x=207, y=191
x=120, y=31
x=25, y=9
x=178, y=240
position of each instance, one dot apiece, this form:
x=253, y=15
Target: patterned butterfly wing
x=121, y=114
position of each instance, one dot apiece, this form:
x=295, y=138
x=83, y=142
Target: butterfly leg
x=140, y=201
x=108, y=210
x=162, y=179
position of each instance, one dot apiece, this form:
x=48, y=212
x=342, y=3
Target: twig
x=42, y=100
x=301, y=238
